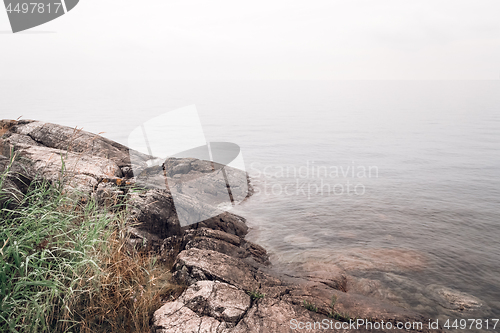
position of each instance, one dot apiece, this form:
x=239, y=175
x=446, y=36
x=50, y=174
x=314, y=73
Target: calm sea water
x=420, y=212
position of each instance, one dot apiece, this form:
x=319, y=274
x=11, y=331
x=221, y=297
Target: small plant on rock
x=255, y=294
x=310, y=306
x=332, y=313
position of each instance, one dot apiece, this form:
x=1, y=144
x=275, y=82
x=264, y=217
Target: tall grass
x=65, y=266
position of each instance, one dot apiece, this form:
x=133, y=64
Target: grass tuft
x=254, y=294
x=310, y=306
x=332, y=312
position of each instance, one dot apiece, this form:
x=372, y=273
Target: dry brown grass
x=123, y=296
x=122, y=290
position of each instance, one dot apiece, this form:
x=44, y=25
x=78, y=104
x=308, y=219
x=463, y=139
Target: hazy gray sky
x=164, y=39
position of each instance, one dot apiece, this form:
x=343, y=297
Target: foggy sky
x=164, y=39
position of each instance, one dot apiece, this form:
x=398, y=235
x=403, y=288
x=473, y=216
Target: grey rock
x=216, y=299
x=154, y=212
x=77, y=141
x=232, y=239
x=219, y=241
x=274, y=315
x=227, y=222
x=11, y=140
x=200, y=189
x=215, y=266
x=76, y=171
x=206, y=306
x=174, y=317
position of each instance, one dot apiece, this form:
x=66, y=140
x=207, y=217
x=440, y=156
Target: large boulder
x=75, y=171
x=42, y=148
x=76, y=140
x=200, y=189
x=217, y=241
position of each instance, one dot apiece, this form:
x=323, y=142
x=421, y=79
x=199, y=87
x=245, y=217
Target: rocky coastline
x=230, y=284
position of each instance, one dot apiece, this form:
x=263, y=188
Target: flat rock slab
x=206, y=306
x=216, y=299
x=175, y=318
x=194, y=264
x=77, y=172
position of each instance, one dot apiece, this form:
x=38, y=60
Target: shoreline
x=231, y=286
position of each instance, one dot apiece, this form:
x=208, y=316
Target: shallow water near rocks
x=421, y=230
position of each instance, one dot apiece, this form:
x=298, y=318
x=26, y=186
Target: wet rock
x=330, y=275
x=198, y=195
x=191, y=210
x=365, y=286
x=231, y=239
x=257, y=252
x=361, y=259
x=217, y=241
x=347, y=305
x=453, y=299
x=337, y=280
x=217, y=245
x=299, y=240
x=201, y=189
